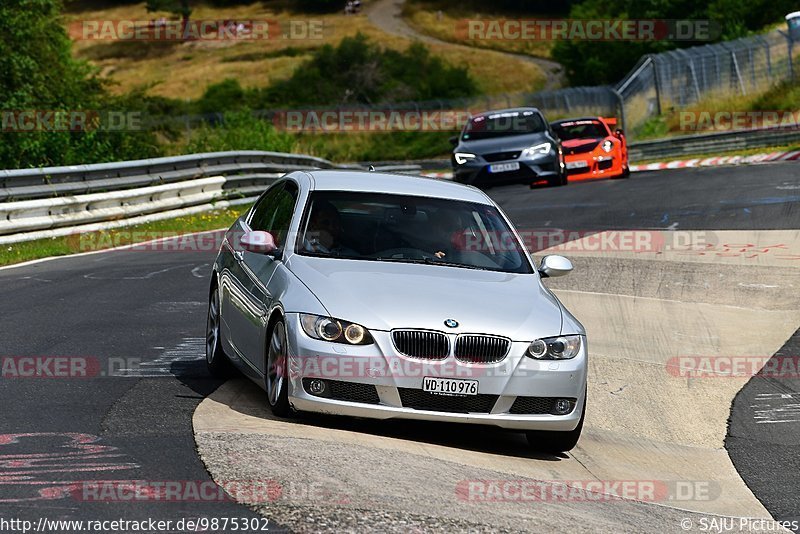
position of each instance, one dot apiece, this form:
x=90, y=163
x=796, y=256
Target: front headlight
x=463, y=157
x=554, y=348
x=607, y=145
x=334, y=330
x=536, y=150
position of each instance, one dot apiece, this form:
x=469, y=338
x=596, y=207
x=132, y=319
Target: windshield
x=409, y=229
x=503, y=125
x=579, y=130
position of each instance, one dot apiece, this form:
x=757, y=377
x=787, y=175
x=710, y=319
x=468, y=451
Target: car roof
x=400, y=184
x=598, y=119
x=505, y=110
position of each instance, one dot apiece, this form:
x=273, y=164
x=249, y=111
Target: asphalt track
x=120, y=307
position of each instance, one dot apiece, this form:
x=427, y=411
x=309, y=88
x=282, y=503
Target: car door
x=250, y=298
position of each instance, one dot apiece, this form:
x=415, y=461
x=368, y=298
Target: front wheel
x=277, y=379
x=626, y=172
x=556, y=442
x=216, y=360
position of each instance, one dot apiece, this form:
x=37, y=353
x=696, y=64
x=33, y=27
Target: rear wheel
x=216, y=360
x=556, y=442
x=277, y=379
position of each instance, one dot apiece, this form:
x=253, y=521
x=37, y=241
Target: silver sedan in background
x=390, y=296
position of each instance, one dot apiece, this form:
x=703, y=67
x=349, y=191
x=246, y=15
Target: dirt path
x=387, y=15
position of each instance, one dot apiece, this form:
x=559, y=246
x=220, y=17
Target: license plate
x=504, y=167
x=449, y=386
x=577, y=164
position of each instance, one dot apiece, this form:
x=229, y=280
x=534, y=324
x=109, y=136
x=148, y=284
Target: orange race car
x=593, y=148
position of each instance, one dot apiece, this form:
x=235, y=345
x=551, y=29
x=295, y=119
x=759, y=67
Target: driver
x=449, y=230
x=324, y=231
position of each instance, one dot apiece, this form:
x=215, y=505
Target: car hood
x=385, y=296
x=502, y=144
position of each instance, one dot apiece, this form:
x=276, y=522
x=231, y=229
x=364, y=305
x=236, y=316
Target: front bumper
x=395, y=377
x=601, y=165
x=476, y=172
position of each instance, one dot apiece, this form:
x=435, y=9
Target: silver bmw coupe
x=391, y=296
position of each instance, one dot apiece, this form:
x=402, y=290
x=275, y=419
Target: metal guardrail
x=57, y=201
x=22, y=184
x=711, y=143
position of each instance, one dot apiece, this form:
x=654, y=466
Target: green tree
x=39, y=74
x=358, y=71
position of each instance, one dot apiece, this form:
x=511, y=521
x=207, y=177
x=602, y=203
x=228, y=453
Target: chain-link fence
x=683, y=77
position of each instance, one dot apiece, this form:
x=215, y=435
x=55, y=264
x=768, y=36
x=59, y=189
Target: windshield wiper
x=429, y=261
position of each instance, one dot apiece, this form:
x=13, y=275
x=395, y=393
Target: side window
x=273, y=213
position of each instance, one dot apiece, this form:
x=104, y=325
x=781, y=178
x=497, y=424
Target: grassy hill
x=184, y=70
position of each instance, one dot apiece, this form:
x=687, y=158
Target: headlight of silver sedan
x=334, y=330
x=555, y=348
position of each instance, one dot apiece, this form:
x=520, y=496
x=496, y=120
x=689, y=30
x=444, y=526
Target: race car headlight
x=334, y=330
x=536, y=150
x=607, y=146
x=555, y=348
x=463, y=157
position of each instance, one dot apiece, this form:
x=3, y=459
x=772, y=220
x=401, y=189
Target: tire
x=216, y=360
x=626, y=173
x=276, y=376
x=556, y=442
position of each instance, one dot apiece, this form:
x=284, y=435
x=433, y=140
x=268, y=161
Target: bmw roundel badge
x=451, y=323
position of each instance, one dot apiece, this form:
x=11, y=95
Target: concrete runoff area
x=647, y=418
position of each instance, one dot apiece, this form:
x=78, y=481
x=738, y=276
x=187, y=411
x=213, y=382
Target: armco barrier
x=47, y=213
x=46, y=182
x=56, y=201
x=712, y=143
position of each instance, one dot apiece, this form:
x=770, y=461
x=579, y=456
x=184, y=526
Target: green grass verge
x=75, y=243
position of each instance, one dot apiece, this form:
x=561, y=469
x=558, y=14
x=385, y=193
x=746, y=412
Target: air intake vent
x=423, y=344
x=481, y=349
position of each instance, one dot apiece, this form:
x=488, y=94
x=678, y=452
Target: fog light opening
x=562, y=406
x=316, y=387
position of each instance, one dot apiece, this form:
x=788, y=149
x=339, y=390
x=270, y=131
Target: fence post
x=621, y=104
x=657, y=85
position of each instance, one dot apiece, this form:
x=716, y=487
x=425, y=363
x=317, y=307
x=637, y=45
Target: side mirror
x=619, y=133
x=259, y=242
x=553, y=266
x=454, y=140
